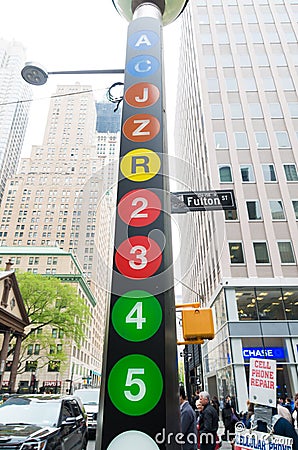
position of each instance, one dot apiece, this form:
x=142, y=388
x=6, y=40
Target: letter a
x=143, y=40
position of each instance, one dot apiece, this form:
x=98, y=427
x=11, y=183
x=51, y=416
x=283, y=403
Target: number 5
x=131, y=381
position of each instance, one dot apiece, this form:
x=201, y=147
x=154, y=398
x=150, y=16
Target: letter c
x=143, y=66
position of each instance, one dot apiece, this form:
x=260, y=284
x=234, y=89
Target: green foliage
x=51, y=304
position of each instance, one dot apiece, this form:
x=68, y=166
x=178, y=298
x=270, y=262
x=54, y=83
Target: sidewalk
x=221, y=429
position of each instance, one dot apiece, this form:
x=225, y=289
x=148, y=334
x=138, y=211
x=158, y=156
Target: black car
x=43, y=422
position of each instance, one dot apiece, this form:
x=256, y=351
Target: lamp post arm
x=86, y=72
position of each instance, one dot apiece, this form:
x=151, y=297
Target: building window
x=262, y=139
x=261, y=252
x=291, y=172
x=255, y=110
x=277, y=211
x=31, y=366
x=293, y=107
x=216, y=111
x=286, y=252
x=54, y=366
x=247, y=173
x=36, y=349
x=241, y=140
x=225, y=174
x=236, y=253
x=295, y=206
x=236, y=111
x=283, y=140
x=254, y=210
x=231, y=214
x=54, y=333
x=275, y=111
x=30, y=349
x=221, y=140
x=268, y=172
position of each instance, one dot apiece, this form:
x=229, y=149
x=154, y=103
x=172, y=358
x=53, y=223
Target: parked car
x=90, y=399
x=43, y=422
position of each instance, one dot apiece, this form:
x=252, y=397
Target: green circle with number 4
x=136, y=315
x=135, y=385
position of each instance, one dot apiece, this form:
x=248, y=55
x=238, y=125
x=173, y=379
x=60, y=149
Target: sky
x=73, y=35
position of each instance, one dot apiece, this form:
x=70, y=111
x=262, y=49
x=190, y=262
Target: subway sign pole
x=139, y=406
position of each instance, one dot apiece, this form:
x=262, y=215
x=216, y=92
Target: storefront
x=252, y=322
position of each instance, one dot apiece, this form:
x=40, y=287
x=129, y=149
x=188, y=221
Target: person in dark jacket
x=208, y=423
x=228, y=418
x=188, y=423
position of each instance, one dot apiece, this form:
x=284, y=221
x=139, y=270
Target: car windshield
x=88, y=396
x=24, y=410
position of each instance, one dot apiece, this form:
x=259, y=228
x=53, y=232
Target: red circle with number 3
x=139, y=207
x=138, y=257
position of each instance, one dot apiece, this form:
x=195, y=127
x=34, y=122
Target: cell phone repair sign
x=262, y=381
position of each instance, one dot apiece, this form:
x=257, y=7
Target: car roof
x=44, y=397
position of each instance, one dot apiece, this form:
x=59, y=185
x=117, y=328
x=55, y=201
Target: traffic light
x=197, y=323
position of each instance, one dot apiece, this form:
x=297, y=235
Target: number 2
x=137, y=213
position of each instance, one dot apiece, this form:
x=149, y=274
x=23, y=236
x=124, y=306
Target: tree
x=51, y=305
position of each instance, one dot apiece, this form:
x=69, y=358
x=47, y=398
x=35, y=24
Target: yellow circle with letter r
x=140, y=164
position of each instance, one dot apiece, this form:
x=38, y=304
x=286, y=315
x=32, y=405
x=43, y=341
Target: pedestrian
x=295, y=413
x=199, y=408
x=215, y=403
x=208, y=423
x=188, y=423
x=229, y=419
x=284, y=412
x=288, y=404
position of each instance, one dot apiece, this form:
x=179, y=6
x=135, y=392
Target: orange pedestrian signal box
x=197, y=323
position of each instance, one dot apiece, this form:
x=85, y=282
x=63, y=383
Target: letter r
x=143, y=162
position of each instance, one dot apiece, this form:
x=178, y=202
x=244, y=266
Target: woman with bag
x=229, y=419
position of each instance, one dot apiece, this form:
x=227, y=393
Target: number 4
x=138, y=319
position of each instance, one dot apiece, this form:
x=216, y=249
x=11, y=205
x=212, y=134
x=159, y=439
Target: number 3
x=131, y=381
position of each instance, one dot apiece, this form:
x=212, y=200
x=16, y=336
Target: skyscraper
x=15, y=97
x=236, y=128
x=58, y=199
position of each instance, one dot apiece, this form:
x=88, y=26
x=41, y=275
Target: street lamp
x=139, y=389
x=35, y=74
x=170, y=9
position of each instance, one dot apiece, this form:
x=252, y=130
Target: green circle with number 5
x=136, y=315
x=135, y=385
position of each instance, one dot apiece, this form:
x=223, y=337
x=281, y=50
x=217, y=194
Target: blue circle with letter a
x=142, y=66
x=143, y=39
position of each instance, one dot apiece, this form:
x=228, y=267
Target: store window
x=236, y=253
x=290, y=299
x=246, y=304
x=261, y=252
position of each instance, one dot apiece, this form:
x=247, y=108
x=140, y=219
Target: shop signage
x=51, y=383
x=260, y=352
x=255, y=440
x=262, y=381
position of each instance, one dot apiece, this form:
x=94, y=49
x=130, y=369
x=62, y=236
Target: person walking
x=188, y=423
x=295, y=413
x=229, y=419
x=208, y=423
